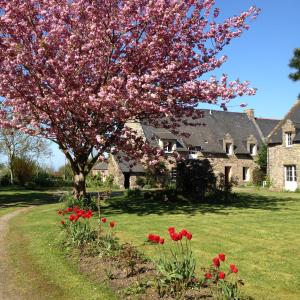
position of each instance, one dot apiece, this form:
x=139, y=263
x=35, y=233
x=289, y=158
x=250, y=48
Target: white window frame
x=290, y=173
x=229, y=147
x=288, y=139
x=167, y=145
x=246, y=174
x=252, y=149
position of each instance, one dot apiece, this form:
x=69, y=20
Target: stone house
x=100, y=168
x=284, y=151
x=229, y=140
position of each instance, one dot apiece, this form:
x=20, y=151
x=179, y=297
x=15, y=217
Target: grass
x=42, y=269
x=259, y=233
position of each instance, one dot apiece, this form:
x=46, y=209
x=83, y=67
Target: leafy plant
x=177, y=270
x=77, y=226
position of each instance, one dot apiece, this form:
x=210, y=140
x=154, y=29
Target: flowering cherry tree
x=74, y=71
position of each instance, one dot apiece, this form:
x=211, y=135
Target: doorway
x=126, y=180
x=227, y=175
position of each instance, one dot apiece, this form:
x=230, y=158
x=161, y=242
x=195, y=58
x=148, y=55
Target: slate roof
x=266, y=125
x=129, y=166
x=217, y=124
x=275, y=136
x=101, y=166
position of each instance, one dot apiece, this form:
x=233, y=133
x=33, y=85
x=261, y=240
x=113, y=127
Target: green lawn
x=259, y=233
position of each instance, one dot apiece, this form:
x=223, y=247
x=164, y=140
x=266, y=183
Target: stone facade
x=234, y=164
x=280, y=156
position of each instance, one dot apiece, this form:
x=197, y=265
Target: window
x=290, y=173
x=168, y=147
x=229, y=148
x=288, y=139
x=253, y=149
x=246, y=174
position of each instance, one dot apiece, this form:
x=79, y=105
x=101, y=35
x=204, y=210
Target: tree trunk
x=79, y=185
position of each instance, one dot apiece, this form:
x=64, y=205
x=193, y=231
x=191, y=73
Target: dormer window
x=252, y=149
x=229, y=148
x=168, y=147
x=288, y=139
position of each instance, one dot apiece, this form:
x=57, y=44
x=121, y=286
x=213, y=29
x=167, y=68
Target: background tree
x=16, y=145
x=76, y=72
x=295, y=64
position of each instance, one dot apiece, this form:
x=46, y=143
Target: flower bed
x=127, y=271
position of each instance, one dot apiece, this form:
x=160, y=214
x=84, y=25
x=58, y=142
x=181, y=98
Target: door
x=290, y=178
x=126, y=180
x=227, y=174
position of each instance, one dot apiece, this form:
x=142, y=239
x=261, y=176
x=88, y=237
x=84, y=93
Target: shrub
x=94, y=181
x=109, y=181
x=84, y=203
x=195, y=177
x=24, y=170
x=140, y=181
x=132, y=193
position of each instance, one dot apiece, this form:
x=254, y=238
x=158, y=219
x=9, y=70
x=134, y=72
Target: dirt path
x=8, y=286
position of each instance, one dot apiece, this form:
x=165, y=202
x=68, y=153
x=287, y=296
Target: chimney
x=250, y=113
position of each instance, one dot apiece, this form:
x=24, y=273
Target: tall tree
x=295, y=64
x=76, y=71
x=16, y=145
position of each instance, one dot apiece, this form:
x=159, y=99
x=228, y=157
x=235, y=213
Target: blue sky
x=261, y=56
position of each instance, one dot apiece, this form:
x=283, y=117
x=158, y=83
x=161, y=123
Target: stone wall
x=113, y=168
x=278, y=157
x=235, y=161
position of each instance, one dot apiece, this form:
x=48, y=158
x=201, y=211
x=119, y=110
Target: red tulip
x=222, y=256
x=112, y=224
x=207, y=275
x=235, y=270
x=161, y=241
x=189, y=236
x=62, y=222
x=184, y=232
x=221, y=275
x=216, y=261
x=232, y=266
x=69, y=209
x=171, y=229
x=103, y=220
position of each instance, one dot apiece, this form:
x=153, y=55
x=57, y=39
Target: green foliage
x=109, y=181
x=295, y=64
x=229, y=290
x=94, y=181
x=80, y=232
x=176, y=273
x=141, y=181
x=195, y=177
x=262, y=158
x=132, y=193
x=84, y=203
x=4, y=177
x=157, y=176
x=24, y=170
x=66, y=172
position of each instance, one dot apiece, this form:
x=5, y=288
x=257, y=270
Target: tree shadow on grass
x=139, y=205
x=24, y=198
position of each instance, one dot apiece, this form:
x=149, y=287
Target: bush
x=258, y=176
x=84, y=203
x=132, y=193
x=94, y=181
x=140, y=181
x=195, y=177
x=24, y=170
x=109, y=181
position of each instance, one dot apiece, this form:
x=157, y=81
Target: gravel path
x=8, y=286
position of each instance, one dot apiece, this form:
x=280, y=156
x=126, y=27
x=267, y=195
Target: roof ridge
x=284, y=119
